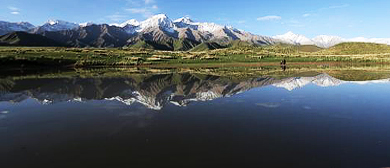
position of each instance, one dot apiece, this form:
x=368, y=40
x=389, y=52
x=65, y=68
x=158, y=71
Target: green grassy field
x=237, y=53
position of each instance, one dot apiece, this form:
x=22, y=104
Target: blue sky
x=346, y=18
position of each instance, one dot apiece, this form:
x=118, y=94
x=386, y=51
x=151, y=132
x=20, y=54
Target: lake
x=207, y=117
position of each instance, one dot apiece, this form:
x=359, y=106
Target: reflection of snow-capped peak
x=293, y=83
x=157, y=94
x=322, y=80
x=124, y=101
x=200, y=96
x=206, y=96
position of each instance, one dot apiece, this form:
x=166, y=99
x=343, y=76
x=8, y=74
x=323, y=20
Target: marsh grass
x=89, y=57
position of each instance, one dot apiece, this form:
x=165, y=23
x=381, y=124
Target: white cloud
x=146, y=12
x=144, y=7
x=241, y=21
x=13, y=8
x=269, y=18
x=306, y=15
x=147, y=2
x=15, y=13
x=334, y=7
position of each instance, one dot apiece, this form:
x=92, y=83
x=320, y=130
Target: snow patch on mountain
x=158, y=21
x=325, y=41
x=57, y=25
x=7, y=27
x=85, y=24
x=296, y=39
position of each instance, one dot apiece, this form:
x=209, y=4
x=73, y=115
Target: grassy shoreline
x=21, y=57
x=354, y=71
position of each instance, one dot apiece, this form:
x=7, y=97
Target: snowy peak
x=185, y=20
x=323, y=41
x=57, y=25
x=326, y=41
x=210, y=27
x=60, y=22
x=160, y=20
x=86, y=24
x=131, y=22
x=292, y=38
x=25, y=25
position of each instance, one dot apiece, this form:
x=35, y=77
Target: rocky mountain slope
x=8, y=27
x=158, y=32
x=26, y=39
x=161, y=33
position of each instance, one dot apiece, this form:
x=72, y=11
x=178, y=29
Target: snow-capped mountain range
x=325, y=41
x=161, y=27
x=6, y=27
x=56, y=25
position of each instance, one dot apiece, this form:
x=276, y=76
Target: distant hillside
x=27, y=39
x=207, y=46
x=309, y=48
x=99, y=36
x=240, y=44
x=357, y=48
x=233, y=45
x=167, y=45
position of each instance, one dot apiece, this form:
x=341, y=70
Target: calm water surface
x=192, y=120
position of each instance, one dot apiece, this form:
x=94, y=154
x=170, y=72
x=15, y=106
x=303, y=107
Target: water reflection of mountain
x=153, y=91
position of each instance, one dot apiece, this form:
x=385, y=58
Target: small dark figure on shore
x=283, y=62
x=283, y=67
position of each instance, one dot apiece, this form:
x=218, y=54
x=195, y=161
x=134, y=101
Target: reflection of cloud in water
x=4, y=112
x=269, y=105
